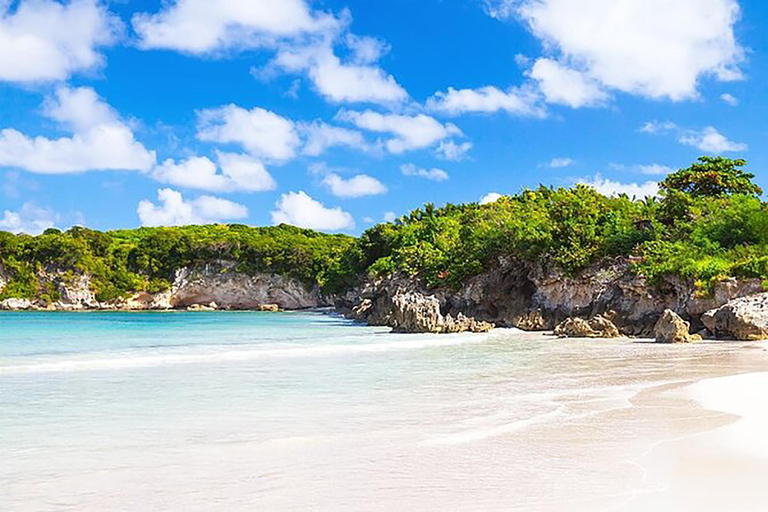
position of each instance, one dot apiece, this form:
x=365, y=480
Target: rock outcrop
x=538, y=297
x=194, y=288
x=229, y=289
x=16, y=305
x=741, y=319
x=415, y=313
x=672, y=329
x=597, y=327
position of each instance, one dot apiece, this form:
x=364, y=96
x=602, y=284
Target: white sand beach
x=725, y=466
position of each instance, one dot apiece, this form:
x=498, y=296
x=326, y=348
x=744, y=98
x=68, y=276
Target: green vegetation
x=708, y=224
x=126, y=261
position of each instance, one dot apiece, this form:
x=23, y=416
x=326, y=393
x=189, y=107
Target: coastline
x=721, y=454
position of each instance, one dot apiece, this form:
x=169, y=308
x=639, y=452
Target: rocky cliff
x=217, y=284
x=539, y=297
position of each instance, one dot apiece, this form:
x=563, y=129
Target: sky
x=338, y=114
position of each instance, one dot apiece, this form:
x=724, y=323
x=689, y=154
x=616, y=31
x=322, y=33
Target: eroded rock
x=743, y=319
x=671, y=328
x=597, y=327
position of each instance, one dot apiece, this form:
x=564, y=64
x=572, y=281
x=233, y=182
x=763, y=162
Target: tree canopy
x=713, y=177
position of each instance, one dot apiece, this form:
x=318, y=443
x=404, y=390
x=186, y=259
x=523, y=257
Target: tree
x=712, y=177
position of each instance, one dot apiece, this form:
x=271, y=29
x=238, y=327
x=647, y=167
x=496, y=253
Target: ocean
x=309, y=411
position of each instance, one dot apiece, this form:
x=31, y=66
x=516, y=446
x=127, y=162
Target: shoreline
x=717, y=461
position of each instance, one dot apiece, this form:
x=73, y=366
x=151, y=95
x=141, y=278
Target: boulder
x=272, y=308
x=597, y=327
x=531, y=321
x=672, y=329
x=743, y=319
x=417, y=313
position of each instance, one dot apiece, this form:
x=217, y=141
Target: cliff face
x=217, y=283
x=539, y=297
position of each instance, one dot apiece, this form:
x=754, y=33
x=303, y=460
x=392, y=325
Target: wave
x=243, y=355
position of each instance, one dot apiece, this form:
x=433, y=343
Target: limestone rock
x=531, y=321
x=16, y=304
x=272, y=308
x=203, y=307
x=742, y=319
x=416, y=313
x=597, y=327
x=672, y=329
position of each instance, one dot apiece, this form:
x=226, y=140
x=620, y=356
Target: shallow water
x=306, y=411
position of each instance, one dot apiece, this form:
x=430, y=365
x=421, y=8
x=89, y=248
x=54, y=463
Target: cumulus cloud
x=730, y=99
x=613, y=188
x=490, y=198
x=341, y=82
x=409, y=132
x=358, y=186
x=564, y=86
x=100, y=139
x=173, y=210
x=321, y=136
x=30, y=219
x=523, y=101
x=260, y=132
x=203, y=26
x=44, y=40
x=235, y=173
x=299, y=209
x=711, y=141
x=453, y=152
x=652, y=48
x=429, y=174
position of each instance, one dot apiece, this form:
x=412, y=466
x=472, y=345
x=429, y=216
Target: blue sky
x=337, y=114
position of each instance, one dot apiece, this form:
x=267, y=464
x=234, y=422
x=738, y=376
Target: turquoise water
x=308, y=411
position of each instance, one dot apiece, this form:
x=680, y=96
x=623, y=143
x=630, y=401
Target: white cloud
x=239, y=173
x=340, y=82
x=205, y=26
x=30, y=219
x=658, y=127
x=262, y=133
x=100, y=140
x=299, y=209
x=321, y=136
x=652, y=48
x=564, y=86
x=711, y=141
x=429, y=174
x=358, y=186
x=489, y=198
x=614, y=188
x=560, y=163
x=522, y=101
x=390, y=217
x=174, y=210
x=43, y=40
x=730, y=99
x=449, y=150
x=655, y=169
x=410, y=132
